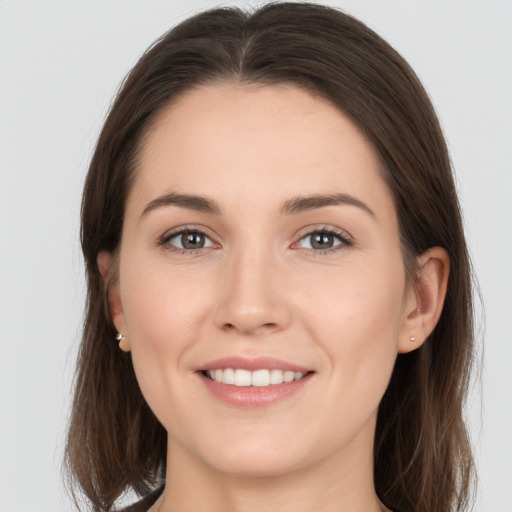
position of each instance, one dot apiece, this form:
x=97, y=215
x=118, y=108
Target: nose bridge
x=252, y=299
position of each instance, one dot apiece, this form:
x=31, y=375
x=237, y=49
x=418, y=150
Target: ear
x=425, y=300
x=107, y=265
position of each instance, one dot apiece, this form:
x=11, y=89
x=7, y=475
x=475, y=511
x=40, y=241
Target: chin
x=262, y=466
x=252, y=457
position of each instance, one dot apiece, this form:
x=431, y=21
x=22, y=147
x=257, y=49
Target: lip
x=258, y=363
x=253, y=397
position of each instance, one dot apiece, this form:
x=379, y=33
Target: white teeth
x=242, y=377
x=288, y=376
x=276, y=376
x=229, y=376
x=258, y=378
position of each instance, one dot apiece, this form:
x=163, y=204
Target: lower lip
x=252, y=397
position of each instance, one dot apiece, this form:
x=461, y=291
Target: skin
x=259, y=288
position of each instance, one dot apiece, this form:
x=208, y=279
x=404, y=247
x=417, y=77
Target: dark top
x=145, y=503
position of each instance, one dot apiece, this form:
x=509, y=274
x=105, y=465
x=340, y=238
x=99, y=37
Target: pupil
x=322, y=241
x=192, y=240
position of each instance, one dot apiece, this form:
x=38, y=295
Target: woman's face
x=259, y=235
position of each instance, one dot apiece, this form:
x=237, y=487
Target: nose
x=253, y=298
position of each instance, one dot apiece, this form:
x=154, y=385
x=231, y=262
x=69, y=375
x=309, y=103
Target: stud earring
x=413, y=338
x=124, y=344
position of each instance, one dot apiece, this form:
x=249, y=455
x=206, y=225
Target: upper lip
x=252, y=364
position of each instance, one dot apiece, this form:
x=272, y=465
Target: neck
x=343, y=482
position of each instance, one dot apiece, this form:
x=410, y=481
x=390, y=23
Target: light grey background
x=60, y=64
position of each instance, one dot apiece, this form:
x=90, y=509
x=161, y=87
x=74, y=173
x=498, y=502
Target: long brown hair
x=423, y=460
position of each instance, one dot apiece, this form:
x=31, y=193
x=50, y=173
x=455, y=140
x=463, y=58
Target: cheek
x=163, y=308
x=357, y=322
x=356, y=327
x=162, y=303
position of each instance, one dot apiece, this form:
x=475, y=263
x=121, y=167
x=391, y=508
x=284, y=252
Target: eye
x=188, y=240
x=323, y=240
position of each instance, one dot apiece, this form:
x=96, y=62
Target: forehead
x=234, y=142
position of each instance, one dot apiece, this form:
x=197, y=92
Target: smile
x=250, y=383
x=257, y=378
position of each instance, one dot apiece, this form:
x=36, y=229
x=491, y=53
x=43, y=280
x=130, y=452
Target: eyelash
x=164, y=241
x=344, y=239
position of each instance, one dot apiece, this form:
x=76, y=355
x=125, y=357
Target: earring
x=413, y=338
x=124, y=344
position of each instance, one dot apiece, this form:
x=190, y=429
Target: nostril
x=251, y=328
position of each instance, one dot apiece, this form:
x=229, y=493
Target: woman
x=272, y=235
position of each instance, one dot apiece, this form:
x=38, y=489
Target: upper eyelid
x=326, y=229
x=171, y=233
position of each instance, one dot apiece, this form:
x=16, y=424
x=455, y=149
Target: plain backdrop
x=60, y=65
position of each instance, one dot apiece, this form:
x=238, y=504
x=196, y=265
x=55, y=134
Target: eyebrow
x=294, y=205
x=301, y=204
x=191, y=202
